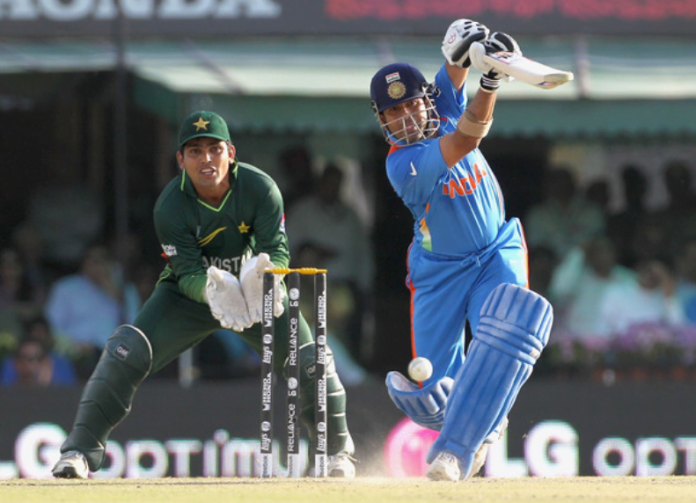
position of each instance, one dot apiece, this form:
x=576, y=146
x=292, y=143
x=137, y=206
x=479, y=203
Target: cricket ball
x=420, y=369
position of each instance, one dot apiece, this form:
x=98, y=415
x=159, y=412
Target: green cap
x=203, y=123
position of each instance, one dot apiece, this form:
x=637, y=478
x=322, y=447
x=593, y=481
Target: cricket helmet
x=399, y=83
x=203, y=123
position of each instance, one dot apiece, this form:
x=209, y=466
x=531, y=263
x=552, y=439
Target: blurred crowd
x=623, y=283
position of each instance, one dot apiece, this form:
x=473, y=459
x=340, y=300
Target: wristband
x=489, y=84
x=469, y=125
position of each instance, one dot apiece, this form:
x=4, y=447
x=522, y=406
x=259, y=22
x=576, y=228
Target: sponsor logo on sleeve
x=169, y=250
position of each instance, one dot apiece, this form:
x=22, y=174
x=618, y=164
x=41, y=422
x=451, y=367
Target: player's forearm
x=482, y=105
x=472, y=127
x=456, y=75
x=193, y=286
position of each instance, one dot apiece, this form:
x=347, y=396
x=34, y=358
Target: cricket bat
x=527, y=70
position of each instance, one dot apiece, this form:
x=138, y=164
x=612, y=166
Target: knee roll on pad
x=107, y=396
x=339, y=439
x=516, y=321
x=513, y=330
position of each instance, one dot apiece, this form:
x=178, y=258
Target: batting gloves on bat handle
x=497, y=42
x=458, y=39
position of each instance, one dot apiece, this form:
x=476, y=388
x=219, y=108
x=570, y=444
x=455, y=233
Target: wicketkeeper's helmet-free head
x=399, y=83
x=203, y=123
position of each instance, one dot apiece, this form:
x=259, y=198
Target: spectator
x=678, y=217
x=542, y=263
x=650, y=240
x=650, y=299
x=564, y=219
x=325, y=232
x=580, y=282
x=87, y=306
x=599, y=193
x=16, y=292
x=34, y=364
x=27, y=241
x=66, y=213
x=686, y=278
x=297, y=175
x=623, y=226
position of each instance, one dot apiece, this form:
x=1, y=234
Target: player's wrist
x=489, y=84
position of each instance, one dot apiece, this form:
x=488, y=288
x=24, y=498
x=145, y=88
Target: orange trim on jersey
x=393, y=149
x=412, y=289
x=526, y=255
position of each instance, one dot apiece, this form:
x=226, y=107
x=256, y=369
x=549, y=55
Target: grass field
x=361, y=490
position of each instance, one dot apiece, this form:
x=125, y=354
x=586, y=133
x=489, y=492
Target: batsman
x=467, y=262
x=220, y=224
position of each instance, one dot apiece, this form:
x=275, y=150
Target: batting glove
x=251, y=277
x=223, y=293
x=458, y=39
x=424, y=406
x=497, y=42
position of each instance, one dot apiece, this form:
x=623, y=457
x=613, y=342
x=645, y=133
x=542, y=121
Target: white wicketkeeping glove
x=458, y=39
x=226, y=300
x=251, y=277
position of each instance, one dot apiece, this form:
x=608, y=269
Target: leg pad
x=107, y=396
x=339, y=439
x=513, y=330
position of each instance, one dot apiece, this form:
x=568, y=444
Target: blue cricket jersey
x=457, y=210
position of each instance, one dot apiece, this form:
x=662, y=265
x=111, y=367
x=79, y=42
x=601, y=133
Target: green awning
x=622, y=87
x=551, y=118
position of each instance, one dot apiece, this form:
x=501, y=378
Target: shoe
x=482, y=453
x=341, y=465
x=71, y=465
x=479, y=460
x=444, y=467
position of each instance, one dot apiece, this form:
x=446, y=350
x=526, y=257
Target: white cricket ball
x=420, y=369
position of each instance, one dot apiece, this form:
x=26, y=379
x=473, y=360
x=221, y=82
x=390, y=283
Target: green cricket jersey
x=195, y=235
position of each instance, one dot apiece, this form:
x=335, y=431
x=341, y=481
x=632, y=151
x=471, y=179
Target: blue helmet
x=398, y=83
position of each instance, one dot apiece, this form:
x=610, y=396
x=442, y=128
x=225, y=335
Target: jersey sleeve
x=183, y=254
x=269, y=228
x=450, y=102
x=414, y=171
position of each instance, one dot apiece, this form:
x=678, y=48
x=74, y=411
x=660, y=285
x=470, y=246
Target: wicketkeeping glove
x=497, y=42
x=458, y=39
x=251, y=277
x=223, y=292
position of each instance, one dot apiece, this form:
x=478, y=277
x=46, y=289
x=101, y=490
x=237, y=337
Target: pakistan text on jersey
x=231, y=264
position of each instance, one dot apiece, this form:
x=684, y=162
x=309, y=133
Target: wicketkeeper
x=466, y=262
x=220, y=223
